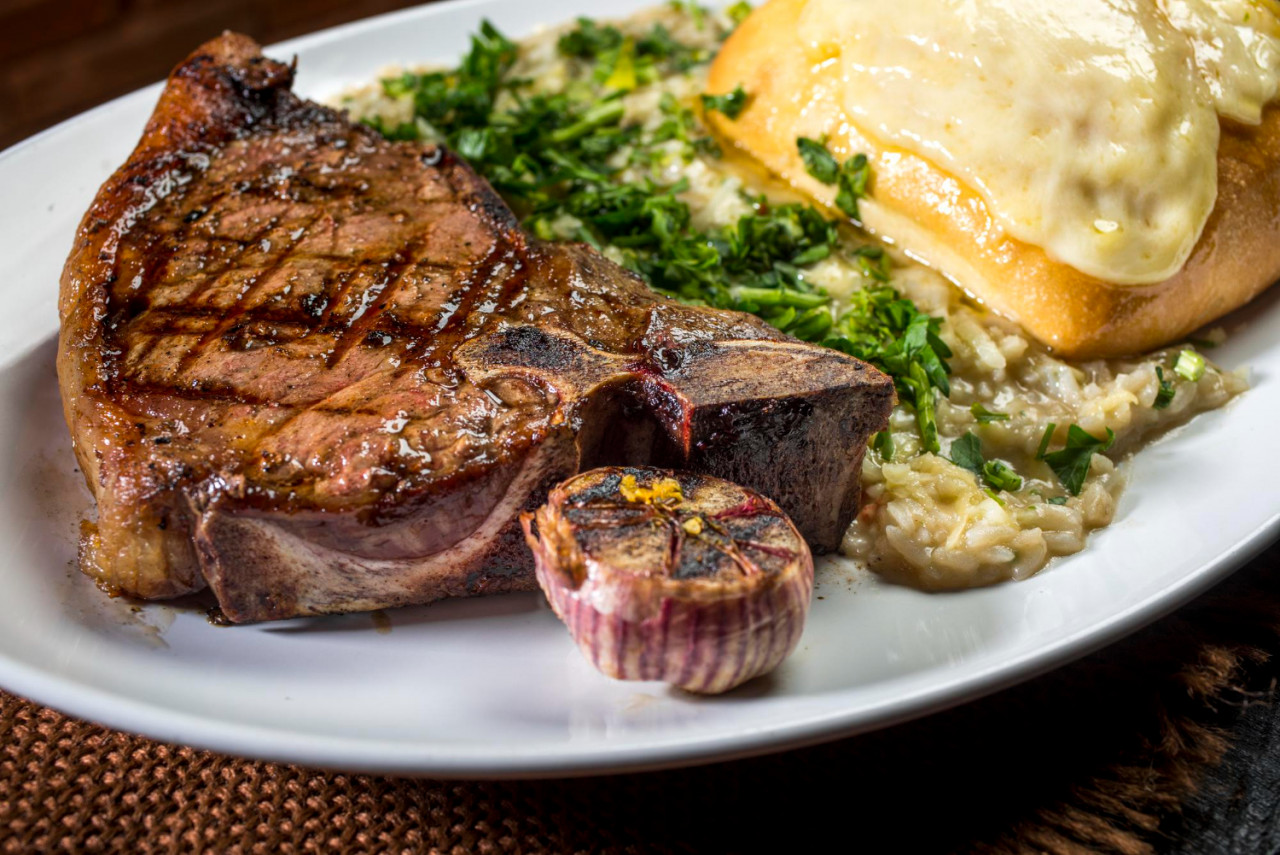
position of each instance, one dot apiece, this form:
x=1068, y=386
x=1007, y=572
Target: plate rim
x=374, y=756
x=370, y=755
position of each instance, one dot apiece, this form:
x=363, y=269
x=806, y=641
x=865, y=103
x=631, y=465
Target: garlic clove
x=672, y=576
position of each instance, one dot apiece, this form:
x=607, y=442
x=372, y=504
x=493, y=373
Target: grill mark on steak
x=235, y=313
x=502, y=272
x=366, y=315
x=319, y=371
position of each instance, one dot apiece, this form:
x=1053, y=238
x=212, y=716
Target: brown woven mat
x=1100, y=756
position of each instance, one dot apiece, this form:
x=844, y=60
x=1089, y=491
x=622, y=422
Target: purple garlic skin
x=672, y=576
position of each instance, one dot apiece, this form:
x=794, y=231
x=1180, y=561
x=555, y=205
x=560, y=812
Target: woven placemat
x=1103, y=755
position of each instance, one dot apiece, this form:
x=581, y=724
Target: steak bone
x=773, y=416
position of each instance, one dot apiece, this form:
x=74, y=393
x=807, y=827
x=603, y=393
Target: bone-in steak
x=322, y=372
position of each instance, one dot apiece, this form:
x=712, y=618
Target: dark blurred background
x=59, y=57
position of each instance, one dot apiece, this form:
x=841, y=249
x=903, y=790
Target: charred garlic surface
x=672, y=576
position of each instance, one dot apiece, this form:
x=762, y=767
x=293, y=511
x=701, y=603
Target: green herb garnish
x=1000, y=476
x=1045, y=439
x=463, y=97
x=1057, y=500
x=851, y=178
x=739, y=11
x=608, y=47
x=1189, y=366
x=851, y=184
x=966, y=452
x=731, y=103
x=883, y=328
x=818, y=161
x=985, y=416
x=1071, y=463
x=883, y=444
x=1164, y=396
x=558, y=159
x=588, y=39
x=620, y=73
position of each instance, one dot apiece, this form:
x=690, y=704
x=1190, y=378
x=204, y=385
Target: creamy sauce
x=1090, y=127
x=1237, y=50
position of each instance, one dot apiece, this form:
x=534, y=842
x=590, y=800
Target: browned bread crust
x=945, y=223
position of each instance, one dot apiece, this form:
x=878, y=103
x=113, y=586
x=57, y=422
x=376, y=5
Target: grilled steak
x=321, y=372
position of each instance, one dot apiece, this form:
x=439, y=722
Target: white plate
x=494, y=687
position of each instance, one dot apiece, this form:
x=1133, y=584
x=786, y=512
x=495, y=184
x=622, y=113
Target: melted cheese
x=1237, y=50
x=1090, y=127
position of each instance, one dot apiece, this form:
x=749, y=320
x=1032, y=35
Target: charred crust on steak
x=366, y=371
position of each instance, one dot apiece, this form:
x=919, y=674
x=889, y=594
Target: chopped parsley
x=851, y=177
x=1189, y=366
x=461, y=98
x=883, y=444
x=966, y=452
x=739, y=11
x=1045, y=439
x=818, y=161
x=887, y=330
x=622, y=62
x=1000, y=476
x=985, y=416
x=1057, y=500
x=731, y=103
x=1164, y=395
x=1071, y=463
x=558, y=158
x=851, y=185
x=588, y=40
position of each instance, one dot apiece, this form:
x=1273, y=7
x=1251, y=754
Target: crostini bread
x=938, y=218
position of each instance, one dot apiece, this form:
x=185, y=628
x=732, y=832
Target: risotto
x=1006, y=457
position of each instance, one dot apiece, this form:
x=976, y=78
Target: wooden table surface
x=59, y=58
